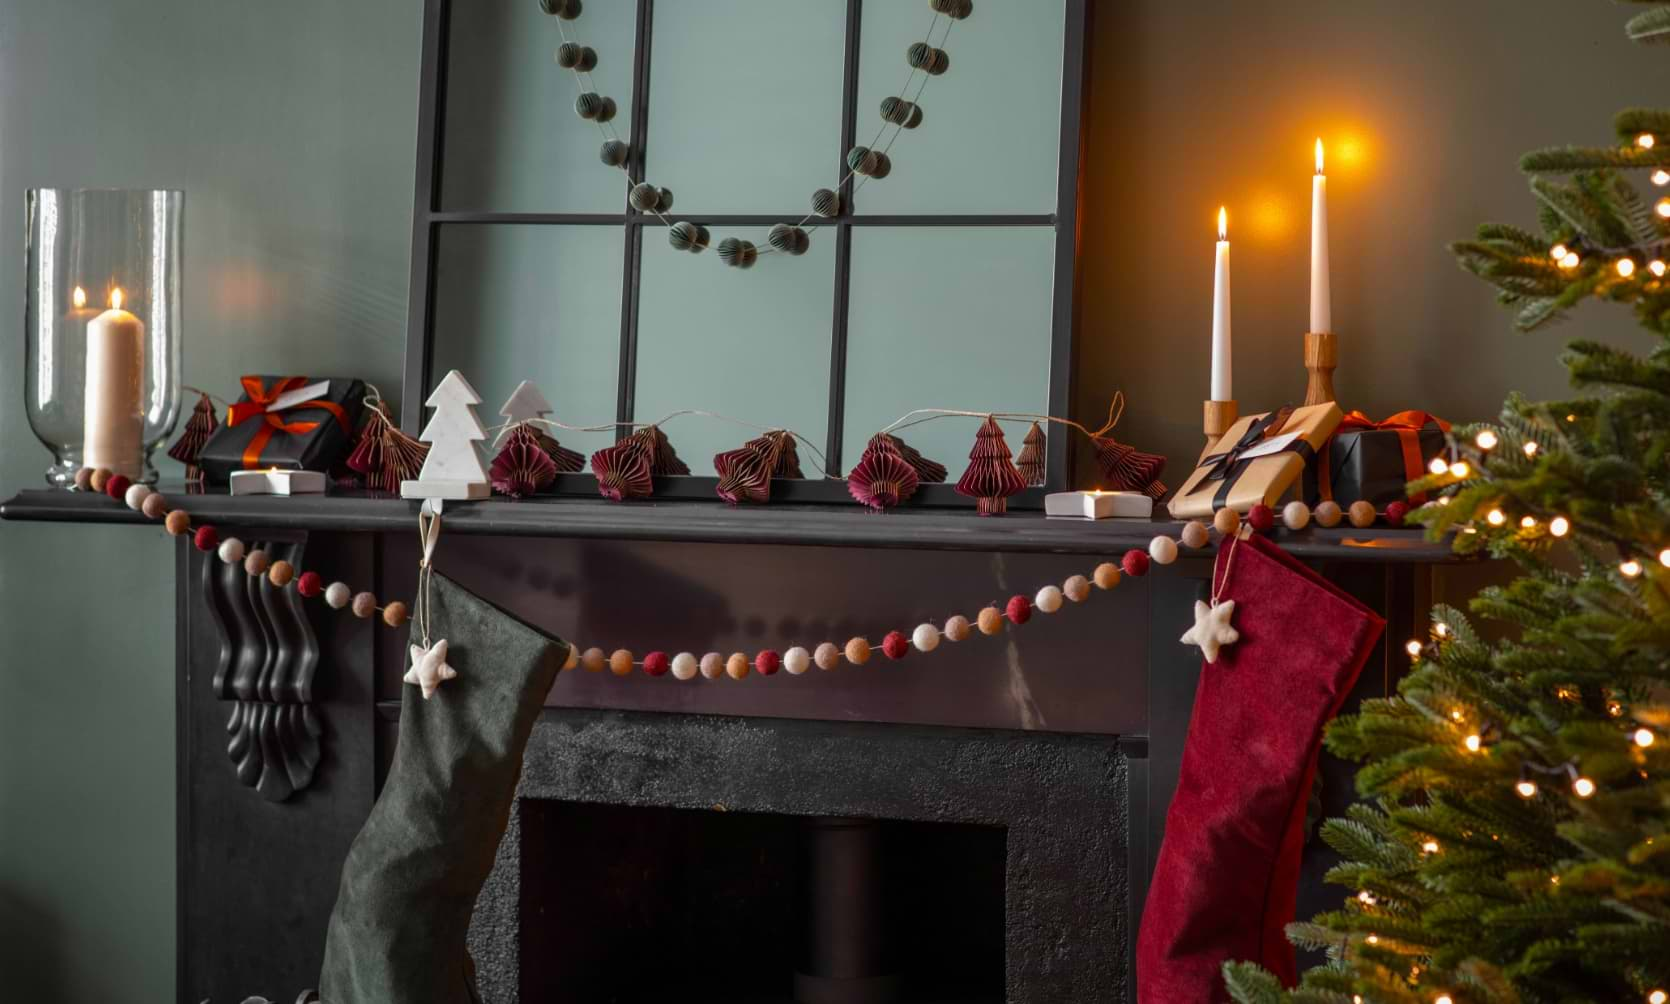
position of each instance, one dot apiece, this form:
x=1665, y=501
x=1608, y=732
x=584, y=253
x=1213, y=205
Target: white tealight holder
x=277, y=482
x=1097, y=504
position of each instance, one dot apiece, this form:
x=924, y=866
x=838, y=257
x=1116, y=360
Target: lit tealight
x=1526, y=788
x=1583, y=787
x=1460, y=469
x=1644, y=738
x=1495, y=517
x=1559, y=526
x=1473, y=742
x=1626, y=266
x=1645, y=141
x=1629, y=568
x=1531, y=448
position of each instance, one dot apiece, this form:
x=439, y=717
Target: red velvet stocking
x=1227, y=877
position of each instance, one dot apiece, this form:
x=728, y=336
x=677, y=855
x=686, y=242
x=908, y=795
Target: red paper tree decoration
x=991, y=476
x=567, y=461
x=883, y=477
x=745, y=474
x=199, y=427
x=627, y=470
x=523, y=467
x=928, y=472
x=1031, y=461
x=1127, y=469
x=385, y=455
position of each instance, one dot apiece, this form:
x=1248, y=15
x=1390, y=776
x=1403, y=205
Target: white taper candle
x=1321, y=305
x=1221, y=386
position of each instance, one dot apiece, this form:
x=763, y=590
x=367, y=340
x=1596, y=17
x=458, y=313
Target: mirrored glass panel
x=990, y=123
x=513, y=142
x=745, y=103
x=947, y=317
x=538, y=303
x=750, y=344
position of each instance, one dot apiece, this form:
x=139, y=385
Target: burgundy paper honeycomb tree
x=199, y=428
x=1031, y=461
x=991, y=476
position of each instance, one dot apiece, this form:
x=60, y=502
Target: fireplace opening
x=621, y=905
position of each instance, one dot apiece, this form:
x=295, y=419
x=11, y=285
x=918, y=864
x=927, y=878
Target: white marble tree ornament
x=525, y=402
x=453, y=469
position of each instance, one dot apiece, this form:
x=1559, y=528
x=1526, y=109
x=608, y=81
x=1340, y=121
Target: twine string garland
x=584, y=81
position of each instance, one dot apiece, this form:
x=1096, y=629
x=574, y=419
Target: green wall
x=291, y=127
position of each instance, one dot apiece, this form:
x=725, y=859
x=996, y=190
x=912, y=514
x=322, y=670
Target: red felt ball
x=1262, y=517
x=206, y=538
x=310, y=585
x=1134, y=562
x=656, y=663
x=118, y=486
x=767, y=662
x=1395, y=512
x=895, y=645
x=1019, y=610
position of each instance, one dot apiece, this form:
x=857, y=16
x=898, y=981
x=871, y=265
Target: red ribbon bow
x=259, y=403
x=1407, y=425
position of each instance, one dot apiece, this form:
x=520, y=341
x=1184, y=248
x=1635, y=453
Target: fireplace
x=654, y=857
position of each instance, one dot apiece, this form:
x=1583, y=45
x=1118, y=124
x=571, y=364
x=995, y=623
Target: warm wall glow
x=116, y=298
x=79, y=297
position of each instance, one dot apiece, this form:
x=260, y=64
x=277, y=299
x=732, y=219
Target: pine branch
x=1651, y=27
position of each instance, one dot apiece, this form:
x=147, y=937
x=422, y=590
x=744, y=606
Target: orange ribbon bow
x=259, y=403
x=1407, y=425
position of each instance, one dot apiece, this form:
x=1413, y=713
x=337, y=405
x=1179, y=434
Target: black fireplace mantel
x=715, y=522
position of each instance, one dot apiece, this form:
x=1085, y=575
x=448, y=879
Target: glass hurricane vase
x=102, y=309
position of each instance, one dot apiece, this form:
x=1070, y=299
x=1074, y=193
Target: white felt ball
x=1163, y=550
x=797, y=660
x=925, y=637
x=684, y=666
x=232, y=551
x=135, y=498
x=1048, y=600
x=338, y=595
x=1296, y=515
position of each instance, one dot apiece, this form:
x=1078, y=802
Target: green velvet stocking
x=412, y=875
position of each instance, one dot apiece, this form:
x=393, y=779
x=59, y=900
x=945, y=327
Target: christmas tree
x=453, y=468
x=1517, y=848
x=991, y=476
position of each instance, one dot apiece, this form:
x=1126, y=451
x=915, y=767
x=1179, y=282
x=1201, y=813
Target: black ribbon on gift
x=1229, y=465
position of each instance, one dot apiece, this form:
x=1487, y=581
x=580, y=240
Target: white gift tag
x=311, y=392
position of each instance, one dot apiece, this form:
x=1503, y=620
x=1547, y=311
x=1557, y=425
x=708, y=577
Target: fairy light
x=1437, y=466
x=1656, y=997
x=1526, y=788
x=1645, y=141
x=1528, y=522
x=1558, y=251
x=1582, y=787
x=1570, y=260
x=1662, y=207
x=1373, y=939
x=1430, y=847
x=1661, y=177
x=1656, y=267
x=1559, y=526
x=1626, y=266
x=1630, y=568
x=1413, y=647
x=1531, y=448
x=1473, y=742
x=1442, y=999
x=1366, y=898
x=1460, y=469
x=1664, y=557
x=1644, y=738
x=1495, y=517
x=1455, y=714
x=1486, y=439
x=1614, y=709
x=1441, y=629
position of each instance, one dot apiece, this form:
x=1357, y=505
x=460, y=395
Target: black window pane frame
x=429, y=218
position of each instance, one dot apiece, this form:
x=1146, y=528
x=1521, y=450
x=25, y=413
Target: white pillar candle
x=1321, y=306
x=113, y=420
x=1221, y=389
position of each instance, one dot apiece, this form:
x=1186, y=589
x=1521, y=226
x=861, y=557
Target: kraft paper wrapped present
x=1256, y=461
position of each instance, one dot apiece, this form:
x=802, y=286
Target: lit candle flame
x=116, y=298
x=79, y=297
x=1319, y=155
x=1223, y=223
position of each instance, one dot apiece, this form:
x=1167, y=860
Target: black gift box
x=1371, y=464
x=317, y=449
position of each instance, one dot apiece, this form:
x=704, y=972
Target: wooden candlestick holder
x=1321, y=356
x=1219, y=416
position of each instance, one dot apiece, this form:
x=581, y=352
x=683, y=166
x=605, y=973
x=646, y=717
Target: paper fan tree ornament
x=1127, y=469
x=928, y=472
x=522, y=466
x=745, y=473
x=627, y=470
x=199, y=427
x=453, y=468
x=384, y=455
x=883, y=477
x=1031, y=461
x=991, y=476
x=524, y=409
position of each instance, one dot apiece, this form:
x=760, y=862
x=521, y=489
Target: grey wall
x=291, y=126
